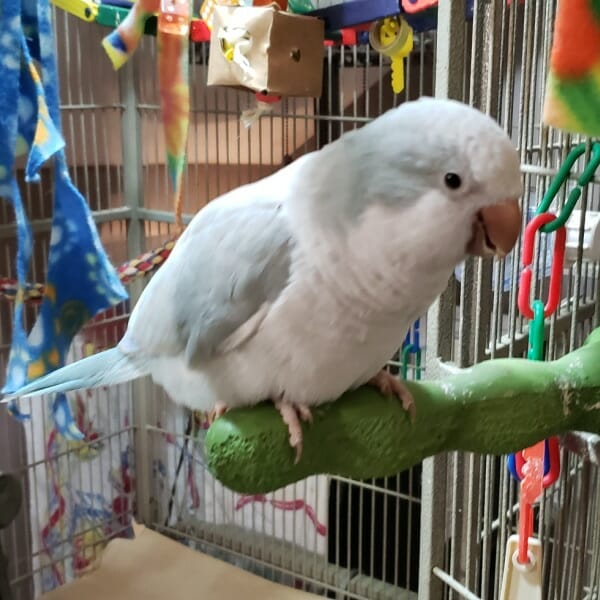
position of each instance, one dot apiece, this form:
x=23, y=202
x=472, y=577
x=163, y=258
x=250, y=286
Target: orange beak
x=496, y=229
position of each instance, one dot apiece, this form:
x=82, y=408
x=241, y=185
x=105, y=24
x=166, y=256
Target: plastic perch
x=496, y=407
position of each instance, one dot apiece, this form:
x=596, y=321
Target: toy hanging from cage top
x=338, y=15
x=173, y=27
x=264, y=103
x=266, y=50
x=573, y=87
x=538, y=467
x=522, y=566
x=80, y=281
x=393, y=37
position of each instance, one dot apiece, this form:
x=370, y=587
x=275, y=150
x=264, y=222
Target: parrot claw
x=218, y=411
x=289, y=413
x=387, y=384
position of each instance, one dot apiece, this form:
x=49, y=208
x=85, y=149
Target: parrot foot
x=289, y=413
x=218, y=411
x=387, y=384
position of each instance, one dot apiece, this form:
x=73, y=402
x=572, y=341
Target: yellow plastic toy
x=83, y=9
x=393, y=37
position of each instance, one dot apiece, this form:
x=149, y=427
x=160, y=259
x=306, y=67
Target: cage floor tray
x=154, y=567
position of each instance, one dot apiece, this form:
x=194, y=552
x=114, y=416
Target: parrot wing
x=216, y=288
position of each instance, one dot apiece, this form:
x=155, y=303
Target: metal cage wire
x=439, y=528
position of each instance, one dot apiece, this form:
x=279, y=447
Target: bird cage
x=436, y=531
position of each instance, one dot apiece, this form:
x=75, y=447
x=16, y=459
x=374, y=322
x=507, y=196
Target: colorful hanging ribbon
x=80, y=281
x=173, y=74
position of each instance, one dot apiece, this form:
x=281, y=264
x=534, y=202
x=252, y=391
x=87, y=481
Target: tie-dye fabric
x=173, y=76
x=80, y=281
x=573, y=87
x=121, y=43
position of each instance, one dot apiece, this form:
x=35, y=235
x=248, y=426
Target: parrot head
x=448, y=174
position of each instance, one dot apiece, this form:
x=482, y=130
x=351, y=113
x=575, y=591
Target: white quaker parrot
x=302, y=285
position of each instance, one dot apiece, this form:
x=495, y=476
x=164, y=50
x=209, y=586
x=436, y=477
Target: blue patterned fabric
x=80, y=281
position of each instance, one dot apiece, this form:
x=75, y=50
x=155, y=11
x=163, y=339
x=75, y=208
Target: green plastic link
x=565, y=213
x=562, y=177
x=588, y=172
x=536, y=332
x=418, y=360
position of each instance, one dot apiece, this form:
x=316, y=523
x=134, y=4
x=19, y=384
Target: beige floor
x=154, y=567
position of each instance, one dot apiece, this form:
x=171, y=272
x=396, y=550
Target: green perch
x=496, y=407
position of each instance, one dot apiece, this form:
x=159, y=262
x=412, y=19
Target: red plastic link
x=529, y=463
x=553, y=463
x=557, y=266
x=531, y=489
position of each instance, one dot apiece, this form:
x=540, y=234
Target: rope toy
x=129, y=271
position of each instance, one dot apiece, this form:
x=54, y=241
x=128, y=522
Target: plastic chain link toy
x=538, y=467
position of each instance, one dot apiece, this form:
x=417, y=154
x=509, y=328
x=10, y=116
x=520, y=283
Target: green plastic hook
x=536, y=332
x=562, y=177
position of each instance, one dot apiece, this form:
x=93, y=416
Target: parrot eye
x=452, y=180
